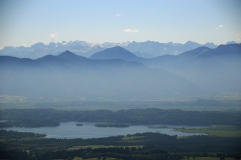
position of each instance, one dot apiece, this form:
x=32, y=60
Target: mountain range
x=148, y=49
x=117, y=73
x=70, y=75
x=214, y=70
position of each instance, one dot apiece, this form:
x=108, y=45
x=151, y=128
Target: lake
x=69, y=130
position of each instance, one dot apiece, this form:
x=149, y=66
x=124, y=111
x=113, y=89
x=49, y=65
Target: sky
x=26, y=22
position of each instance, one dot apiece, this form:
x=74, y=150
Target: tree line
x=136, y=116
x=149, y=146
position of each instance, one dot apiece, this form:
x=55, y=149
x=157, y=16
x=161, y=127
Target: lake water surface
x=69, y=130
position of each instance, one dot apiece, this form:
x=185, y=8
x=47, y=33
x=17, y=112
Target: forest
x=146, y=146
x=47, y=117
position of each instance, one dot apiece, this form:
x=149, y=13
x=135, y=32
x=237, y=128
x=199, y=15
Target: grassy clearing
x=206, y=158
x=190, y=158
x=127, y=138
x=100, y=146
x=2, y=140
x=216, y=130
x=31, y=138
x=110, y=158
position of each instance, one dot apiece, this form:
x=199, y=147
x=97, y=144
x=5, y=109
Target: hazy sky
x=25, y=22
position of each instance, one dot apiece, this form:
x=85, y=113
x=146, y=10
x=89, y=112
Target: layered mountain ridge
x=148, y=49
x=116, y=73
x=73, y=76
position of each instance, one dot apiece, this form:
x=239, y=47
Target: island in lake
x=157, y=127
x=112, y=125
x=78, y=124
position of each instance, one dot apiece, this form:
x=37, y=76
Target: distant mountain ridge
x=215, y=70
x=148, y=49
x=116, y=73
x=72, y=76
x=116, y=53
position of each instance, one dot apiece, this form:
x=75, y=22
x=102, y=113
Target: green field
x=190, y=158
x=101, y=146
x=102, y=158
x=206, y=158
x=127, y=138
x=215, y=130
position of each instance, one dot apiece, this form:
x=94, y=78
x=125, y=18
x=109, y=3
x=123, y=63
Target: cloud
x=220, y=26
x=238, y=37
x=53, y=36
x=131, y=30
x=118, y=15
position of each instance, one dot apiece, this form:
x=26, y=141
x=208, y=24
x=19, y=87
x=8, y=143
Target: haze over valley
x=118, y=74
x=120, y=80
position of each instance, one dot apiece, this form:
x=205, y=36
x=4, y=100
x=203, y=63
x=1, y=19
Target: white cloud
x=131, y=30
x=238, y=37
x=53, y=36
x=118, y=15
x=220, y=26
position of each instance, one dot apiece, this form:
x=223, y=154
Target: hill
x=116, y=73
x=215, y=70
x=116, y=53
x=73, y=76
